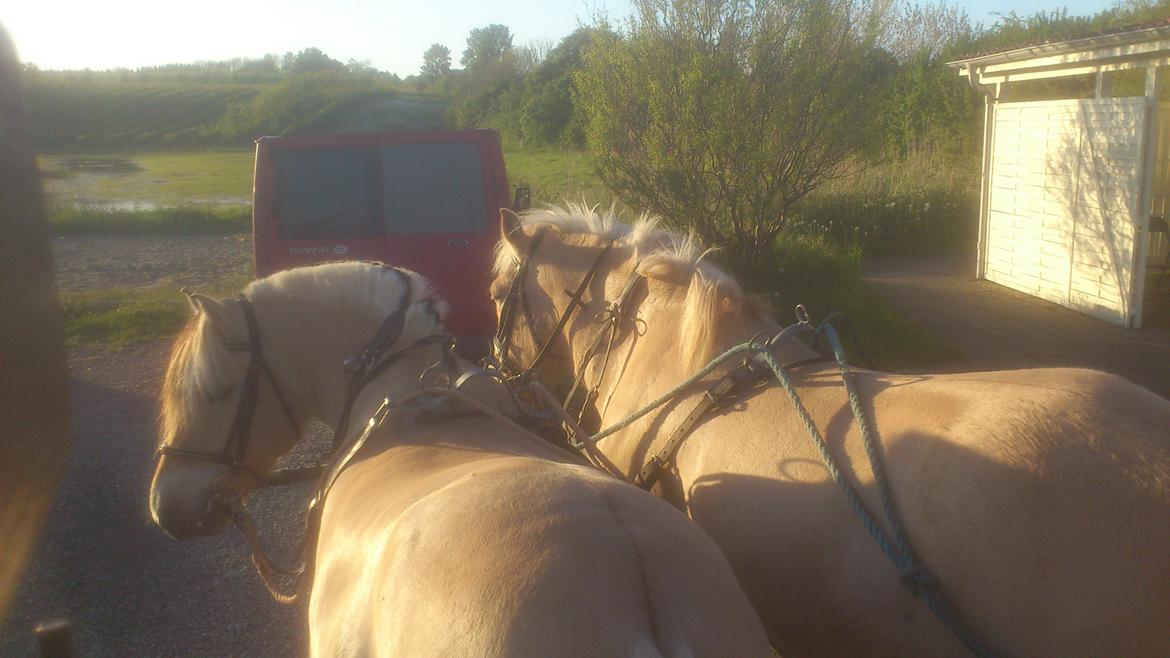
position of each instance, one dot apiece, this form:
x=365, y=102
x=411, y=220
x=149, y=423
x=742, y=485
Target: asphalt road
x=128, y=588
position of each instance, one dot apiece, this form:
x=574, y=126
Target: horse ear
x=212, y=308
x=512, y=231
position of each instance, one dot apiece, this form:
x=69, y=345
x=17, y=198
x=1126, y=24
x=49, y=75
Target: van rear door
x=426, y=201
x=438, y=221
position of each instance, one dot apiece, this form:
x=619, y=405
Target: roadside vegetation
x=74, y=220
x=797, y=142
x=117, y=317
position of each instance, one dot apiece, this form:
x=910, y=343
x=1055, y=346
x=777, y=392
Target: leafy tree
x=530, y=56
x=918, y=29
x=436, y=61
x=550, y=112
x=723, y=114
x=537, y=107
x=486, y=45
x=311, y=60
x=364, y=67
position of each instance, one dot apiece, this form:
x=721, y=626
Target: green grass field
x=115, y=317
x=556, y=176
x=160, y=179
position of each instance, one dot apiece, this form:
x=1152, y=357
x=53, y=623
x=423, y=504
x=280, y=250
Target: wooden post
x=1145, y=206
x=1104, y=85
x=991, y=98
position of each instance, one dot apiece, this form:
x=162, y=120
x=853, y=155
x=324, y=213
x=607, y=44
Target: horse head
x=247, y=373
x=565, y=276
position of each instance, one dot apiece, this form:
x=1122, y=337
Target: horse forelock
x=661, y=254
x=592, y=224
x=196, y=370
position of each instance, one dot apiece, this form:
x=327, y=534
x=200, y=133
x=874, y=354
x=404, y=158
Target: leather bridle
x=362, y=368
x=236, y=445
x=516, y=300
x=614, y=315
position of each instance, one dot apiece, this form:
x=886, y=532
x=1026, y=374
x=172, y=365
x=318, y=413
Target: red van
x=428, y=201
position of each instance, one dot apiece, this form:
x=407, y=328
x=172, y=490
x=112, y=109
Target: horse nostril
x=190, y=517
x=177, y=525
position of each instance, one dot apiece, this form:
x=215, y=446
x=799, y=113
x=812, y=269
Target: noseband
x=236, y=445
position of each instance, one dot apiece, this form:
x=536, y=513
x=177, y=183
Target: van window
x=433, y=188
x=325, y=193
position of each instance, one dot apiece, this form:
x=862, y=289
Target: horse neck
x=305, y=349
x=657, y=362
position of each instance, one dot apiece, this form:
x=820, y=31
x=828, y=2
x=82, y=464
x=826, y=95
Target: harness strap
x=236, y=445
x=746, y=375
x=302, y=572
x=503, y=338
x=366, y=366
x=613, y=316
x=652, y=469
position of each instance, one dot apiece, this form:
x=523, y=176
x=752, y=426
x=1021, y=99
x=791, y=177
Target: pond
x=104, y=166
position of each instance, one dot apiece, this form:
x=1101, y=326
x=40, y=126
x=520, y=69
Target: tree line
x=724, y=115
x=268, y=69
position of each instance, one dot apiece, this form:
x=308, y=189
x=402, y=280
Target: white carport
x=1070, y=185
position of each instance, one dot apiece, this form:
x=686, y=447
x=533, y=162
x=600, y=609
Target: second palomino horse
x=1036, y=501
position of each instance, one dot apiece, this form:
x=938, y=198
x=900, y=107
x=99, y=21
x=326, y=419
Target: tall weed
x=918, y=205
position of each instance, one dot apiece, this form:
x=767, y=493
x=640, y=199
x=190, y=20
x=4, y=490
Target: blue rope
x=914, y=576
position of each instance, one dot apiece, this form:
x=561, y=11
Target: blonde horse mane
x=198, y=365
x=676, y=258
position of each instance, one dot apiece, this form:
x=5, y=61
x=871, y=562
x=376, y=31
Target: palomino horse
x=1039, y=500
x=450, y=533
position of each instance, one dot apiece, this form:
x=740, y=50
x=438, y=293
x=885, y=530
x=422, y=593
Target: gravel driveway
x=90, y=262
x=129, y=589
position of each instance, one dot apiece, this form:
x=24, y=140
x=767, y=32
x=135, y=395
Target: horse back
x=511, y=555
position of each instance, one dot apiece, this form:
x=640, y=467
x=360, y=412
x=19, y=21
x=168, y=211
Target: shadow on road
x=129, y=589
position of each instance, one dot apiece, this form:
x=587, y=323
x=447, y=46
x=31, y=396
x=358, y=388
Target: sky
x=390, y=34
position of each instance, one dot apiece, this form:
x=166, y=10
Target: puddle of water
x=137, y=205
x=100, y=166
x=117, y=205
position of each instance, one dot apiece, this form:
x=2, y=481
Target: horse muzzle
x=185, y=503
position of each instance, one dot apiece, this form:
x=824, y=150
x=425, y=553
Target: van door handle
x=457, y=242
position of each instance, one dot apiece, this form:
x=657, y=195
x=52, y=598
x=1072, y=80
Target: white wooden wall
x=1066, y=180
